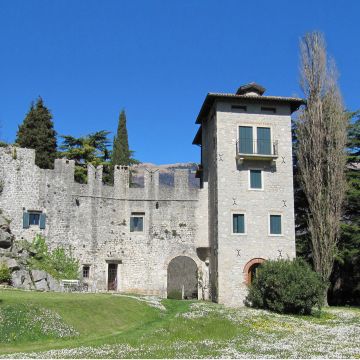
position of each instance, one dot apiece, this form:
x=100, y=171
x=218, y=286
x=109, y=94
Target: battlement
x=15, y=159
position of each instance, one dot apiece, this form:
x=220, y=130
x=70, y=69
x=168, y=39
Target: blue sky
x=157, y=59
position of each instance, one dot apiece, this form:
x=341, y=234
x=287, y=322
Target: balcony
x=248, y=149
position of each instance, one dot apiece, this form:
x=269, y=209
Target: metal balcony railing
x=263, y=148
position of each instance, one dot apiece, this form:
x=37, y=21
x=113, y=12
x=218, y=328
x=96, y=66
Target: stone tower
x=246, y=167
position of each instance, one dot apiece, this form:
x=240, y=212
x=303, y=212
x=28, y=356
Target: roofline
x=198, y=137
x=210, y=98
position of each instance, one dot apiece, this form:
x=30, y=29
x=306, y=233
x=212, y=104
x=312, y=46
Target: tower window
x=275, y=225
x=238, y=223
x=256, y=179
x=239, y=108
x=268, y=110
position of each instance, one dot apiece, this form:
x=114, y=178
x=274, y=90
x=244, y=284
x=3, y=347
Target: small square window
x=86, y=271
x=34, y=218
x=239, y=108
x=255, y=179
x=275, y=224
x=268, y=110
x=238, y=224
x=137, y=222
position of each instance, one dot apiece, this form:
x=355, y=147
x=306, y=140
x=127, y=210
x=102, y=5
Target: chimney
x=251, y=89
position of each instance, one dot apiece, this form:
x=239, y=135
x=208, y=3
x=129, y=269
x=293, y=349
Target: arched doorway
x=250, y=270
x=182, y=278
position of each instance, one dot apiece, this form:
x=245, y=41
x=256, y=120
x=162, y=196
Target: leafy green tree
x=37, y=132
x=89, y=149
x=121, y=154
x=345, y=278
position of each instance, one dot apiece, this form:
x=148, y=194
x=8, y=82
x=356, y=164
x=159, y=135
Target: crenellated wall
x=94, y=219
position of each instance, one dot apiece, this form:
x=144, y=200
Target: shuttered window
x=275, y=224
x=255, y=179
x=34, y=218
x=137, y=222
x=42, y=221
x=263, y=141
x=26, y=220
x=238, y=223
x=245, y=140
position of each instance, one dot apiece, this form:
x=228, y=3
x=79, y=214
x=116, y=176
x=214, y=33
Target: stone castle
x=172, y=239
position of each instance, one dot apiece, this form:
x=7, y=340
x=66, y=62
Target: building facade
x=172, y=240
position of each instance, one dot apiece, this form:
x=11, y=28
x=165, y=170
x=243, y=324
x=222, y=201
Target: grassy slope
x=113, y=326
x=97, y=317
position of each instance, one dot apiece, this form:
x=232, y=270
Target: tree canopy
x=321, y=133
x=88, y=149
x=37, y=132
x=121, y=154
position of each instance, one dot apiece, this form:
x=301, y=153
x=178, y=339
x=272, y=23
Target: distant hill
x=166, y=173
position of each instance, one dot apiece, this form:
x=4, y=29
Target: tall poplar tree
x=321, y=134
x=121, y=154
x=37, y=132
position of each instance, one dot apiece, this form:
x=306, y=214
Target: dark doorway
x=252, y=272
x=112, y=276
x=182, y=278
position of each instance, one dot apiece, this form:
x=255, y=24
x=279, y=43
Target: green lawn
x=58, y=325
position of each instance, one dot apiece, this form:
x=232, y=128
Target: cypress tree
x=37, y=132
x=121, y=153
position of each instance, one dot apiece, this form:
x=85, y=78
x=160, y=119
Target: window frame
x=136, y=214
x=239, y=212
x=268, y=110
x=254, y=135
x=34, y=213
x=281, y=223
x=26, y=219
x=262, y=179
x=88, y=271
x=239, y=108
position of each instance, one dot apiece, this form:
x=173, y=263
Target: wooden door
x=112, y=277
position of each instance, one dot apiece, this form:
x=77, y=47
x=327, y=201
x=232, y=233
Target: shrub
x=286, y=286
x=58, y=263
x=5, y=274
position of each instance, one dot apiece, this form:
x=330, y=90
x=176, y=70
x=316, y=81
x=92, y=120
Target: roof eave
x=198, y=137
x=295, y=103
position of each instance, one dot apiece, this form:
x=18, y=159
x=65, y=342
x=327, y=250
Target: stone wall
x=94, y=219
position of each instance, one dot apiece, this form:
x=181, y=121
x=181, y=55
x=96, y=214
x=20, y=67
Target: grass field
x=55, y=325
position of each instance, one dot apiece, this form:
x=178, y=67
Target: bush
x=5, y=274
x=58, y=263
x=286, y=286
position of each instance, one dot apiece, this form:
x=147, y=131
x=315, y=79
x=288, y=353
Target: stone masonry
x=93, y=220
